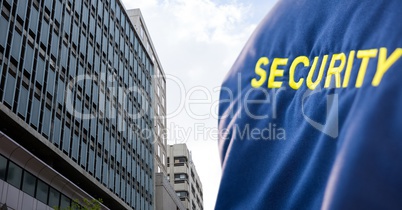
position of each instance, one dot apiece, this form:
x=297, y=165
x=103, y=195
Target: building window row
x=183, y=195
x=32, y=185
x=180, y=178
x=180, y=161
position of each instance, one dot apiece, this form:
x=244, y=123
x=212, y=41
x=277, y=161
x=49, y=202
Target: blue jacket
x=311, y=111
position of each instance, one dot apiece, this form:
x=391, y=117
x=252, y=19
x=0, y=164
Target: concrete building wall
x=166, y=198
x=183, y=176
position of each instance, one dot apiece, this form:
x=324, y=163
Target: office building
x=184, y=177
x=76, y=95
x=159, y=87
x=165, y=196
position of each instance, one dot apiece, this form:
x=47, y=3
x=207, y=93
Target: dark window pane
x=44, y=31
x=75, y=148
x=66, y=140
x=111, y=179
x=4, y=26
x=14, y=175
x=42, y=191
x=117, y=186
x=28, y=184
x=9, y=91
x=22, y=8
x=35, y=112
x=56, y=131
x=84, y=153
x=3, y=167
x=28, y=58
x=22, y=102
x=64, y=202
x=40, y=71
x=46, y=122
x=67, y=22
x=50, y=81
x=54, y=198
x=58, y=9
x=33, y=25
x=60, y=92
x=16, y=46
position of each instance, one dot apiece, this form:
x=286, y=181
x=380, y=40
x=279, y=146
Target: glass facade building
x=76, y=91
x=159, y=86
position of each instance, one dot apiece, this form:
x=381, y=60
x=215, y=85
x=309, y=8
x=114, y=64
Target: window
x=33, y=25
x=180, y=178
x=42, y=191
x=35, y=112
x=44, y=33
x=75, y=148
x=58, y=10
x=32, y=185
x=54, y=198
x=14, y=175
x=3, y=36
x=180, y=161
x=3, y=168
x=46, y=122
x=56, y=131
x=29, y=184
x=9, y=91
x=64, y=202
x=40, y=70
x=182, y=194
x=66, y=140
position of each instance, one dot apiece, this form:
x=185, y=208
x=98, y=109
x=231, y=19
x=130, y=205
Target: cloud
x=201, y=21
x=207, y=21
x=130, y=4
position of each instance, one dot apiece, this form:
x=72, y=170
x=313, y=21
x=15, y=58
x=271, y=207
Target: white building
x=183, y=176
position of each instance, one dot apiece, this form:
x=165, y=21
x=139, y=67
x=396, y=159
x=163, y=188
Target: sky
x=197, y=41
